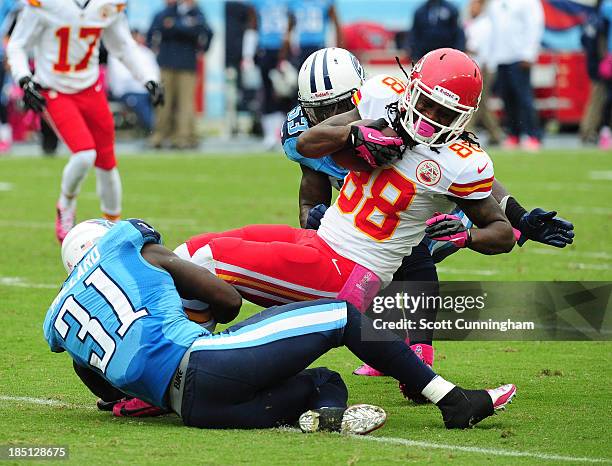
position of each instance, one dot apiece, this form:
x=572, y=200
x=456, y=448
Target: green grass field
x=563, y=412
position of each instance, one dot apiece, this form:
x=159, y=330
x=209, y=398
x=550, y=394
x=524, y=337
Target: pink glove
x=447, y=227
x=371, y=144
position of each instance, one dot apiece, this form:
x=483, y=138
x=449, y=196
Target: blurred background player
x=234, y=379
x=133, y=94
x=310, y=20
x=65, y=87
x=518, y=26
x=478, y=32
x=266, y=45
x=435, y=25
x=179, y=33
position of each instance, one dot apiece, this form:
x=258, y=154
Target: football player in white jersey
x=65, y=38
x=376, y=223
x=380, y=216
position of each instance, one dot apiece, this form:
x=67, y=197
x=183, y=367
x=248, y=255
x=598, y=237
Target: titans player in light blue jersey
x=326, y=82
x=311, y=20
x=119, y=316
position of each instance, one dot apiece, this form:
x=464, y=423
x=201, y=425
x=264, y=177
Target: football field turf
x=563, y=410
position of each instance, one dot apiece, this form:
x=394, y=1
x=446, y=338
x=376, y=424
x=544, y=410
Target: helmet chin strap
x=424, y=129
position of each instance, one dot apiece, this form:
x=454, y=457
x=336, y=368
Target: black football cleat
x=462, y=409
x=356, y=419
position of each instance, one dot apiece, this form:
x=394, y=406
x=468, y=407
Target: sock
x=73, y=176
x=108, y=186
x=437, y=389
x=387, y=352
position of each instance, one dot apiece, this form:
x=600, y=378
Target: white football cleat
x=358, y=419
x=502, y=396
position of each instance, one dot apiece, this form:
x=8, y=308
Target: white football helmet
x=81, y=239
x=326, y=82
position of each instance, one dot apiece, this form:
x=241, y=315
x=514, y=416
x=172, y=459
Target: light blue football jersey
x=272, y=20
x=311, y=20
x=121, y=316
x=295, y=124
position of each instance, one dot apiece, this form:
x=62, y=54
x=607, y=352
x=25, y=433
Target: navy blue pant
x=514, y=86
x=267, y=60
x=265, y=383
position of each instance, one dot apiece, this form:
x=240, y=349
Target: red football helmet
x=443, y=94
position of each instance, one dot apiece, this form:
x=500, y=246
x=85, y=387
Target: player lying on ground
x=119, y=316
x=66, y=89
x=322, y=174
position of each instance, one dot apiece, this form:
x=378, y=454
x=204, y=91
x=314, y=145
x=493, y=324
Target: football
x=347, y=158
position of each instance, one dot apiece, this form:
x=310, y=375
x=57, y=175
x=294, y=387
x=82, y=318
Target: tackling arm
x=537, y=225
x=494, y=233
x=327, y=137
x=315, y=189
x=195, y=282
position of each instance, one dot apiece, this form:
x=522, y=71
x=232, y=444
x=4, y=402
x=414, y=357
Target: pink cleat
x=5, y=146
x=133, y=407
x=531, y=144
x=605, y=138
x=511, y=142
x=502, y=396
x=64, y=221
x=367, y=371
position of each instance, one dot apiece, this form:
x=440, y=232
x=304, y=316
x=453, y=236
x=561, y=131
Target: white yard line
x=4, y=186
x=387, y=440
x=583, y=266
x=586, y=210
x=19, y=282
x=482, y=451
x=43, y=402
x=605, y=175
x=566, y=252
x=454, y=271
x=49, y=225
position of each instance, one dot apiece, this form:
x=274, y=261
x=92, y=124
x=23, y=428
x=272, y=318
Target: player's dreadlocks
x=394, y=116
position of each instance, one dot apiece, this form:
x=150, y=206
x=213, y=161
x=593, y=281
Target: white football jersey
x=380, y=216
x=65, y=37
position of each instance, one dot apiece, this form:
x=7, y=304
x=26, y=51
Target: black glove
x=156, y=93
x=32, y=98
x=373, y=146
x=545, y=227
x=314, y=216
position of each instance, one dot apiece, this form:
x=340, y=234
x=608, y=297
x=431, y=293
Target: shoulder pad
x=471, y=170
x=376, y=94
x=149, y=233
